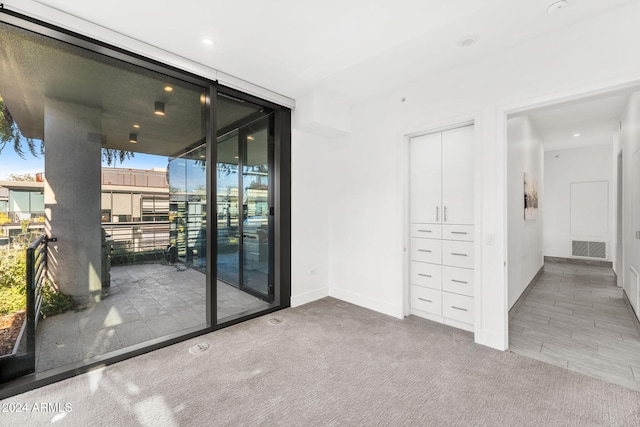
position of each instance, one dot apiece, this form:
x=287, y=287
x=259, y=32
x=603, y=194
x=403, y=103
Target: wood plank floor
x=575, y=317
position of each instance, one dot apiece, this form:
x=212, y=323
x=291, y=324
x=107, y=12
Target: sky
x=11, y=163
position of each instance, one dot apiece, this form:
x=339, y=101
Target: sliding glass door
x=257, y=227
x=244, y=206
x=161, y=209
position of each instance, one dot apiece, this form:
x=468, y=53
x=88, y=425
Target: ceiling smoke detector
x=556, y=5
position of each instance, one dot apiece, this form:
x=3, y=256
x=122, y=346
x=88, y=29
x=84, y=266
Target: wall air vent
x=589, y=249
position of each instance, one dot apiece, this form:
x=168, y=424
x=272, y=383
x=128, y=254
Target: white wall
x=630, y=140
x=561, y=169
x=524, y=154
x=366, y=203
x=616, y=221
x=309, y=218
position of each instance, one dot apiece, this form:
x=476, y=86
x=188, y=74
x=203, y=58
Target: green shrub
x=13, y=273
x=13, y=287
x=55, y=302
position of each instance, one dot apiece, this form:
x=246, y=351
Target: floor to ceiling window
x=245, y=208
x=135, y=155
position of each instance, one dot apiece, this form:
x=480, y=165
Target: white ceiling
x=353, y=50
x=349, y=49
x=595, y=120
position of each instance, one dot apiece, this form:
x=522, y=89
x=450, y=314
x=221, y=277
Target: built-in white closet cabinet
x=441, y=215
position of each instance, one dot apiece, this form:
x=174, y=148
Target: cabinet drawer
x=428, y=275
x=457, y=254
x=457, y=307
x=426, y=250
x=429, y=231
x=425, y=299
x=457, y=280
x=458, y=232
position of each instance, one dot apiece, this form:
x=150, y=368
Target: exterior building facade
x=134, y=206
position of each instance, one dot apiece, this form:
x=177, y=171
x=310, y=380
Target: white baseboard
x=459, y=325
x=307, y=297
x=367, y=302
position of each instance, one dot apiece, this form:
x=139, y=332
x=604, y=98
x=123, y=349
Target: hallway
x=575, y=317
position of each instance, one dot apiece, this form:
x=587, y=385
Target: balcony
x=144, y=301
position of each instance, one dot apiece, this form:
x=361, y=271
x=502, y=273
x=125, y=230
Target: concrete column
x=72, y=135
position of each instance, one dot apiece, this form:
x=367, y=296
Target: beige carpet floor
x=329, y=363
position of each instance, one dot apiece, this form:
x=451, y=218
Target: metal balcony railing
x=17, y=365
x=131, y=242
x=36, y=280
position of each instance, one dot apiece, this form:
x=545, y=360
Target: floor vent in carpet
x=198, y=348
x=342, y=304
x=275, y=321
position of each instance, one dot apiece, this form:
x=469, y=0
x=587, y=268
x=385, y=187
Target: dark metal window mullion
x=242, y=152
x=212, y=206
x=271, y=202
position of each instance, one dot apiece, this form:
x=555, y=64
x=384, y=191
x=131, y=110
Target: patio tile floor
x=144, y=302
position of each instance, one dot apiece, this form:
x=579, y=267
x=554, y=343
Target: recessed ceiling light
x=575, y=135
x=168, y=88
x=208, y=42
x=468, y=40
x=251, y=138
x=136, y=126
x=556, y=5
x=158, y=108
x=133, y=138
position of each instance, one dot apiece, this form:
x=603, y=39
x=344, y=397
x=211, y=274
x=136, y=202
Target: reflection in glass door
x=256, y=224
x=244, y=207
x=188, y=203
x=228, y=210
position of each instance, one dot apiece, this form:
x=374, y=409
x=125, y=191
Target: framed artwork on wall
x=530, y=198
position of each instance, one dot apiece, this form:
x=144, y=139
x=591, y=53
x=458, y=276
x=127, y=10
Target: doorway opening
x=566, y=307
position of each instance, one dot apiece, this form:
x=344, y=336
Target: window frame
x=281, y=202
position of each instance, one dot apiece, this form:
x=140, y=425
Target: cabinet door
x=426, y=178
x=457, y=176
